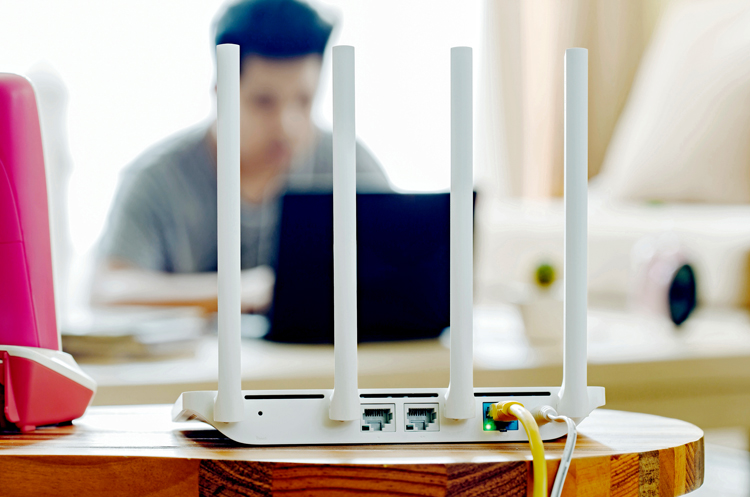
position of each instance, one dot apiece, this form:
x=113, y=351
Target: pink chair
x=39, y=384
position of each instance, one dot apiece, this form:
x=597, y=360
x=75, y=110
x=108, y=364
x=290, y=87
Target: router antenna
x=459, y=402
x=574, y=400
x=345, y=398
x=229, y=403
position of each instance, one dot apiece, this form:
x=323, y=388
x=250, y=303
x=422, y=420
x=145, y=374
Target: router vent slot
x=397, y=395
x=285, y=397
x=512, y=394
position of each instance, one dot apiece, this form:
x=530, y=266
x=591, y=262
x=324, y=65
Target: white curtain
x=522, y=115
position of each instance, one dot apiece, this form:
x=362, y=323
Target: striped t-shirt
x=164, y=215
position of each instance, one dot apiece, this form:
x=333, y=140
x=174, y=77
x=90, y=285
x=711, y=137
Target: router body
x=39, y=384
x=345, y=414
x=392, y=416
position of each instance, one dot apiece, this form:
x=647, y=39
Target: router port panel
x=421, y=417
x=280, y=423
x=378, y=417
x=489, y=424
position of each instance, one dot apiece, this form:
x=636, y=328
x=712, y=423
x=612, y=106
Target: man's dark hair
x=273, y=28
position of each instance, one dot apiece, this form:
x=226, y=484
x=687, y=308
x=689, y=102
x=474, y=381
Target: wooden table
x=137, y=450
x=645, y=366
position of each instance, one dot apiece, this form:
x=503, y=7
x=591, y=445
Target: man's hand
x=257, y=289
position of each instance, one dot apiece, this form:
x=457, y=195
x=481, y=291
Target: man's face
x=276, y=98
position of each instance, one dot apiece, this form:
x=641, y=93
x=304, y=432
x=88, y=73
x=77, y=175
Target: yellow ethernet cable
x=509, y=410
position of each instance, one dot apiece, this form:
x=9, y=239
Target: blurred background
x=135, y=72
x=669, y=161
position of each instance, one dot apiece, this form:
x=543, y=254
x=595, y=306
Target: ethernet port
x=490, y=424
x=421, y=417
x=378, y=417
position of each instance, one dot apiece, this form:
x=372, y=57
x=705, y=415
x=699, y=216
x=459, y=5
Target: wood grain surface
x=137, y=450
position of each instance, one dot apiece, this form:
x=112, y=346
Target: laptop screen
x=403, y=267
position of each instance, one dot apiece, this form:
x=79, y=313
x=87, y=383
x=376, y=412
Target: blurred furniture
x=514, y=236
x=669, y=82
x=137, y=450
x=645, y=365
x=682, y=137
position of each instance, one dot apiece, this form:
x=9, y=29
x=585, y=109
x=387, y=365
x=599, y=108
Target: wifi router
x=346, y=414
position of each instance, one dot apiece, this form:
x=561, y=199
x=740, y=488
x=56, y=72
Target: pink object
x=27, y=301
x=40, y=383
x=38, y=395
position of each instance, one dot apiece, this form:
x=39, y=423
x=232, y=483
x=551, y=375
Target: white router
x=346, y=414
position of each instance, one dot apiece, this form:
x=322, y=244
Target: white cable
x=550, y=414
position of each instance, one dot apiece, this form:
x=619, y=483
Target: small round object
x=260, y=413
x=545, y=274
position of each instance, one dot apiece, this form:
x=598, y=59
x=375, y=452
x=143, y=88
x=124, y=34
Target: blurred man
x=160, y=241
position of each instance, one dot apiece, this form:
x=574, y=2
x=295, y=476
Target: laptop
x=403, y=268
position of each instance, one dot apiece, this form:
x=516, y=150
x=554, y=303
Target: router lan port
x=490, y=424
x=421, y=417
x=378, y=417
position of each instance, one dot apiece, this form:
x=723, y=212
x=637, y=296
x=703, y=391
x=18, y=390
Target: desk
x=645, y=366
x=136, y=450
